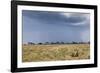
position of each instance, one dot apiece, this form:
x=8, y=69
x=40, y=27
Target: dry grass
x=34, y=53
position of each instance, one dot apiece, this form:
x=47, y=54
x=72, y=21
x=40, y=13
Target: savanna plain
x=37, y=53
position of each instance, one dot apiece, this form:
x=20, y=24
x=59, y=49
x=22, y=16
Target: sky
x=44, y=26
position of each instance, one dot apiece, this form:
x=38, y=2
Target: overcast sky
x=42, y=26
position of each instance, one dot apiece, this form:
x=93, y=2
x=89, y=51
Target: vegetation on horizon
x=48, y=43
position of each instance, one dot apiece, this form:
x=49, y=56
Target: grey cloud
x=57, y=18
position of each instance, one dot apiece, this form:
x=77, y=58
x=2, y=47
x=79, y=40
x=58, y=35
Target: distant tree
x=31, y=43
x=62, y=43
x=74, y=42
x=24, y=44
x=52, y=43
x=40, y=43
x=57, y=42
x=83, y=42
x=88, y=42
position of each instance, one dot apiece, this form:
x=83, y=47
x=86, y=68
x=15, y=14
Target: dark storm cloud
x=57, y=17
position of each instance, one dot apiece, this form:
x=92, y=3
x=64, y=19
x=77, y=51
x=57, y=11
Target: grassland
x=35, y=53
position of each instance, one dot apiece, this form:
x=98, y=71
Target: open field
x=35, y=53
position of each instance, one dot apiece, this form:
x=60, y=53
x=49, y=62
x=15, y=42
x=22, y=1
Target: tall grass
x=34, y=53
